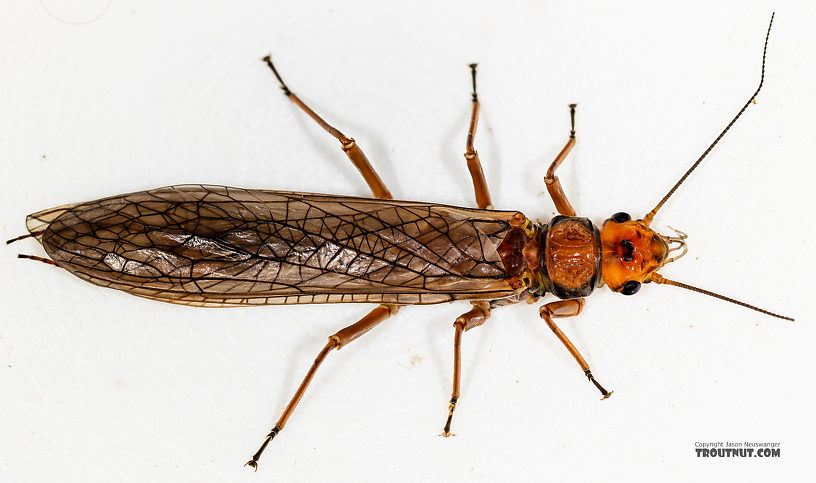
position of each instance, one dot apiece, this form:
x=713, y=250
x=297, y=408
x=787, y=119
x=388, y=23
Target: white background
x=95, y=100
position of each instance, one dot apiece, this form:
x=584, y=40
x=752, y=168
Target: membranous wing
x=219, y=246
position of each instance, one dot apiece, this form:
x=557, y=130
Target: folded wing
x=219, y=246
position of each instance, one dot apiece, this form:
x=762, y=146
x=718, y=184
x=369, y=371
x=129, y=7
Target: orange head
x=630, y=252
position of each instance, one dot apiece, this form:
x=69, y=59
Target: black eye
x=630, y=288
x=620, y=217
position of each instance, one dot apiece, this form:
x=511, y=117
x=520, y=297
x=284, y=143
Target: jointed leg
x=352, y=150
x=336, y=341
x=474, y=318
x=569, y=308
x=562, y=204
x=472, y=157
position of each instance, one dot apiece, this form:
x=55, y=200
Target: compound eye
x=620, y=217
x=630, y=288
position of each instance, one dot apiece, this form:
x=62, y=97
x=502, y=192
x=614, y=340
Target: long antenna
x=657, y=278
x=648, y=218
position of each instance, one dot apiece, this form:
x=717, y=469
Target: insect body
x=218, y=246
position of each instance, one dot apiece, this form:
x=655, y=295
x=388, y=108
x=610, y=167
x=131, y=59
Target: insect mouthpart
x=676, y=243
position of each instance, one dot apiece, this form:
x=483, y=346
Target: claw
x=451, y=407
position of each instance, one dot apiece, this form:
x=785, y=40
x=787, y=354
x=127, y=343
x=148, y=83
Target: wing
x=39, y=221
x=219, y=246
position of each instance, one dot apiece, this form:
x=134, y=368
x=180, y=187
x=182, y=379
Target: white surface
x=99, y=385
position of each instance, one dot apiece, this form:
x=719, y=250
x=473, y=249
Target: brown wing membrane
x=219, y=246
x=39, y=221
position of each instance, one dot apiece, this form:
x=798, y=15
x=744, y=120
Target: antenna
x=657, y=278
x=648, y=218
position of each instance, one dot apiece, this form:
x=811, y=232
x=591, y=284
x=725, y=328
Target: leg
x=472, y=157
x=352, y=150
x=336, y=341
x=569, y=308
x=349, y=146
x=476, y=317
x=562, y=204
